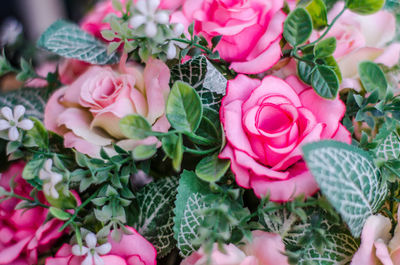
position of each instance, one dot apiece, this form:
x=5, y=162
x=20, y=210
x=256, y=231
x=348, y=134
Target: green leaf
x=365, y=7
x=305, y=70
x=188, y=206
x=155, y=218
x=63, y=201
x=39, y=134
x=297, y=27
x=348, y=178
x=325, y=48
x=59, y=214
x=143, y=152
x=33, y=99
x=331, y=62
x=325, y=82
x=32, y=168
x=388, y=144
x=68, y=40
x=211, y=168
x=135, y=127
x=372, y=77
x=184, y=108
x=318, y=12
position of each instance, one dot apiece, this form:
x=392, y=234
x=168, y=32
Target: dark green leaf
x=325, y=48
x=372, y=77
x=297, y=27
x=325, y=82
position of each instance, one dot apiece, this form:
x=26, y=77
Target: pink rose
x=23, y=233
x=251, y=29
x=131, y=250
x=265, y=248
x=266, y=123
x=94, y=21
x=361, y=38
x=87, y=112
x=377, y=244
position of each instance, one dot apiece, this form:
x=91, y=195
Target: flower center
x=272, y=119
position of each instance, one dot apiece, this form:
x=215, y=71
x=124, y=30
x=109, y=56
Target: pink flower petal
x=10, y=253
x=52, y=110
x=242, y=175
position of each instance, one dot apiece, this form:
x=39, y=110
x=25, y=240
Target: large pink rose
x=88, y=111
x=266, y=123
x=266, y=249
x=23, y=233
x=251, y=29
x=94, y=23
x=131, y=250
x=361, y=38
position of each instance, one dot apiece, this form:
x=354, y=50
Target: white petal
x=47, y=188
x=152, y=5
x=178, y=29
x=91, y=240
x=78, y=251
x=171, y=52
x=88, y=260
x=43, y=174
x=55, y=178
x=25, y=124
x=162, y=17
x=137, y=21
x=141, y=6
x=53, y=192
x=151, y=29
x=4, y=125
x=103, y=249
x=48, y=164
x=13, y=133
x=98, y=260
x=7, y=113
x=19, y=111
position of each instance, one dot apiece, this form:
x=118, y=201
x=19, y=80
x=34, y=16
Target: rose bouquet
x=206, y=132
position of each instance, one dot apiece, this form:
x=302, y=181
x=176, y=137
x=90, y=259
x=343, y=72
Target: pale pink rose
x=265, y=248
x=131, y=250
x=251, y=29
x=23, y=233
x=94, y=23
x=377, y=244
x=87, y=112
x=266, y=123
x=361, y=38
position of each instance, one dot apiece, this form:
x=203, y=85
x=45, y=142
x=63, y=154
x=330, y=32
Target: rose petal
x=242, y=175
x=52, y=111
x=10, y=253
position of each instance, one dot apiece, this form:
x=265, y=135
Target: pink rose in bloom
x=377, y=244
x=251, y=29
x=266, y=123
x=88, y=111
x=265, y=248
x=94, y=21
x=131, y=250
x=23, y=233
x=360, y=38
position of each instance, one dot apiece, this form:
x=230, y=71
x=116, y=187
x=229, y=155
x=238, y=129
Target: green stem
x=28, y=200
x=199, y=138
x=193, y=44
x=302, y=59
x=161, y=134
x=78, y=210
x=200, y=152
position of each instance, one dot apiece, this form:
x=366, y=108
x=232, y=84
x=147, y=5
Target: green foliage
x=365, y=7
x=317, y=10
x=184, y=109
x=211, y=168
x=68, y=40
x=349, y=179
x=373, y=78
x=59, y=214
x=325, y=48
x=38, y=135
x=297, y=27
x=143, y=152
x=325, y=82
x=135, y=126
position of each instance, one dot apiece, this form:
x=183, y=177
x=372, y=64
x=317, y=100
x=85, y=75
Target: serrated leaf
x=155, y=219
x=349, y=179
x=68, y=40
x=188, y=205
x=325, y=82
x=297, y=27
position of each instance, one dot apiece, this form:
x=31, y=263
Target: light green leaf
x=211, y=168
x=135, y=127
x=59, y=214
x=297, y=27
x=325, y=48
x=38, y=134
x=365, y=7
x=143, y=152
x=155, y=219
x=372, y=77
x=173, y=148
x=184, y=108
x=69, y=40
x=349, y=179
x=325, y=82
x=32, y=168
x=318, y=12
x=188, y=206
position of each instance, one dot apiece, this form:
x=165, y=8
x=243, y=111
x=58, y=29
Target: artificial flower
x=266, y=123
x=91, y=251
x=251, y=30
x=50, y=179
x=11, y=121
x=87, y=112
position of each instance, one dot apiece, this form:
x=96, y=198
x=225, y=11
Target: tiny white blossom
x=12, y=121
x=50, y=179
x=149, y=16
x=91, y=252
x=177, y=31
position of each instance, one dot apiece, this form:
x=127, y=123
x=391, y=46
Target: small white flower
x=91, y=252
x=177, y=31
x=11, y=121
x=149, y=16
x=50, y=178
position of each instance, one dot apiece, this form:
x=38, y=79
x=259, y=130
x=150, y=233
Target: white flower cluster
x=11, y=121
